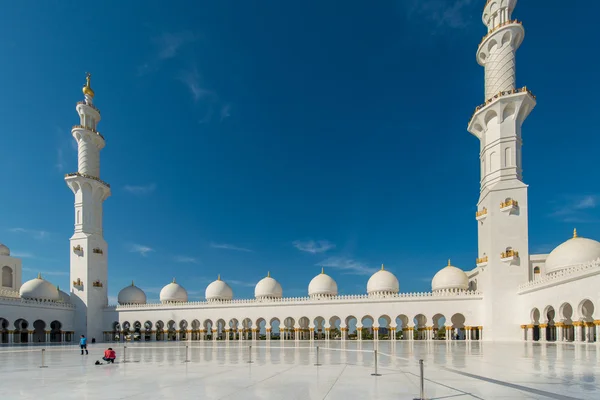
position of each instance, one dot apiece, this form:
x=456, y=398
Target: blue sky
x=244, y=138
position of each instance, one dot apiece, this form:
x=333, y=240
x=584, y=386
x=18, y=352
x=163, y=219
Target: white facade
x=508, y=295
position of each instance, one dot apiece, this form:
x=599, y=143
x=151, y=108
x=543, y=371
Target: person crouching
x=109, y=355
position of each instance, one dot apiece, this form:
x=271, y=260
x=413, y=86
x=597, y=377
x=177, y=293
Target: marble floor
x=286, y=370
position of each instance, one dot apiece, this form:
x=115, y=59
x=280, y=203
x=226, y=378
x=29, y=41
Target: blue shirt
x=83, y=341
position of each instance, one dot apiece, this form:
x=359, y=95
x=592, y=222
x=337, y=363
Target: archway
x=116, y=331
x=402, y=327
x=3, y=330
x=335, y=327
x=261, y=329
x=160, y=331
x=21, y=335
x=171, y=330
x=535, y=320
x=126, y=331
x=366, y=328
x=550, y=330
x=208, y=326
x=586, y=317
x=195, y=330
x=183, y=330
x=420, y=322
x=566, y=314
x=39, y=331
x=439, y=327
x=247, y=326
x=319, y=328
x=304, y=332
x=384, y=331
x=351, y=327
x=137, y=331
x=220, y=329
x=147, y=331
x=458, y=325
x=275, y=325
x=289, y=324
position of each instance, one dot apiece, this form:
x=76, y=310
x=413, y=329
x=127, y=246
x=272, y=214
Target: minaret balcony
x=87, y=128
x=514, y=21
x=72, y=174
x=509, y=255
x=480, y=215
x=481, y=262
x=97, y=284
x=509, y=205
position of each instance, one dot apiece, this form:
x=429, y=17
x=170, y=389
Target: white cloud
x=443, y=13
x=60, y=160
x=192, y=80
x=21, y=255
x=46, y=272
x=185, y=259
x=169, y=44
x=225, y=246
x=140, y=249
x=347, y=265
x=576, y=209
x=35, y=233
x=140, y=189
x=314, y=247
x=241, y=283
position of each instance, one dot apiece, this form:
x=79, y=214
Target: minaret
x=89, y=269
x=502, y=208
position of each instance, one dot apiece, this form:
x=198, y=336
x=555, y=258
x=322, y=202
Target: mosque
x=507, y=295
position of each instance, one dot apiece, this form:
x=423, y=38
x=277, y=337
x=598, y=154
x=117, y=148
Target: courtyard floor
x=286, y=370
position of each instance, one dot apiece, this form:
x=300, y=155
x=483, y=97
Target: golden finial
x=449, y=263
x=574, y=233
x=174, y=280
x=268, y=274
x=87, y=89
x=39, y=275
x=322, y=270
x=382, y=267
x=132, y=284
x=219, y=277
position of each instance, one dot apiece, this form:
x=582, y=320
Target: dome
x=4, y=251
x=575, y=251
x=173, y=293
x=39, y=289
x=322, y=285
x=133, y=295
x=268, y=288
x=218, y=290
x=63, y=296
x=450, y=278
x=383, y=281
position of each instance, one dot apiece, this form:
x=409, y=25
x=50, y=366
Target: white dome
x=64, y=297
x=39, y=289
x=383, y=281
x=4, y=250
x=268, y=288
x=218, y=290
x=173, y=293
x=450, y=278
x=322, y=285
x=574, y=251
x=133, y=295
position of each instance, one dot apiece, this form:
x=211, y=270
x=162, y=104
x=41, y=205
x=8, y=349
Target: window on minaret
x=536, y=273
x=7, y=277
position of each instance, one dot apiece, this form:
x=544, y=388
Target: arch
x=304, y=331
x=566, y=312
x=247, y=328
x=4, y=324
x=492, y=43
x=489, y=116
x=183, y=331
x=126, y=330
x=207, y=326
x=550, y=314
x=384, y=323
x=195, y=330
x=289, y=325
x=275, y=325
x=494, y=161
x=367, y=323
x=508, y=111
x=458, y=325
x=137, y=331
x=401, y=326
x=439, y=326
x=21, y=334
x=535, y=316
x=586, y=310
x=160, y=330
x=351, y=325
x=220, y=325
x=7, y=277
x=335, y=328
x=473, y=285
x=506, y=38
x=147, y=331
x=39, y=331
x=536, y=273
x=508, y=157
x=261, y=328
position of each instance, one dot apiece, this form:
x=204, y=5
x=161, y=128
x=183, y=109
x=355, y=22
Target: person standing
x=83, y=344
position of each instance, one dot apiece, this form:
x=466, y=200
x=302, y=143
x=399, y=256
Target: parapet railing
x=500, y=94
x=87, y=176
x=562, y=274
x=9, y=293
x=38, y=303
x=315, y=299
x=513, y=21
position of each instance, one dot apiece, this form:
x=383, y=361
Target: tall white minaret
x=503, y=259
x=89, y=251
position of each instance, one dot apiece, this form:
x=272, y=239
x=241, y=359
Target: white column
x=597, y=328
x=577, y=331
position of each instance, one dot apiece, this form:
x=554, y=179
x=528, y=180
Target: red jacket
x=110, y=354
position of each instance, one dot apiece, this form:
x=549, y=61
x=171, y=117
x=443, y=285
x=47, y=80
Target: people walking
x=83, y=344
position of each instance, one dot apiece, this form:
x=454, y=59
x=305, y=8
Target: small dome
x=218, y=290
x=64, y=297
x=4, y=250
x=450, y=278
x=133, y=295
x=268, y=288
x=39, y=289
x=575, y=251
x=173, y=293
x=322, y=285
x=383, y=282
